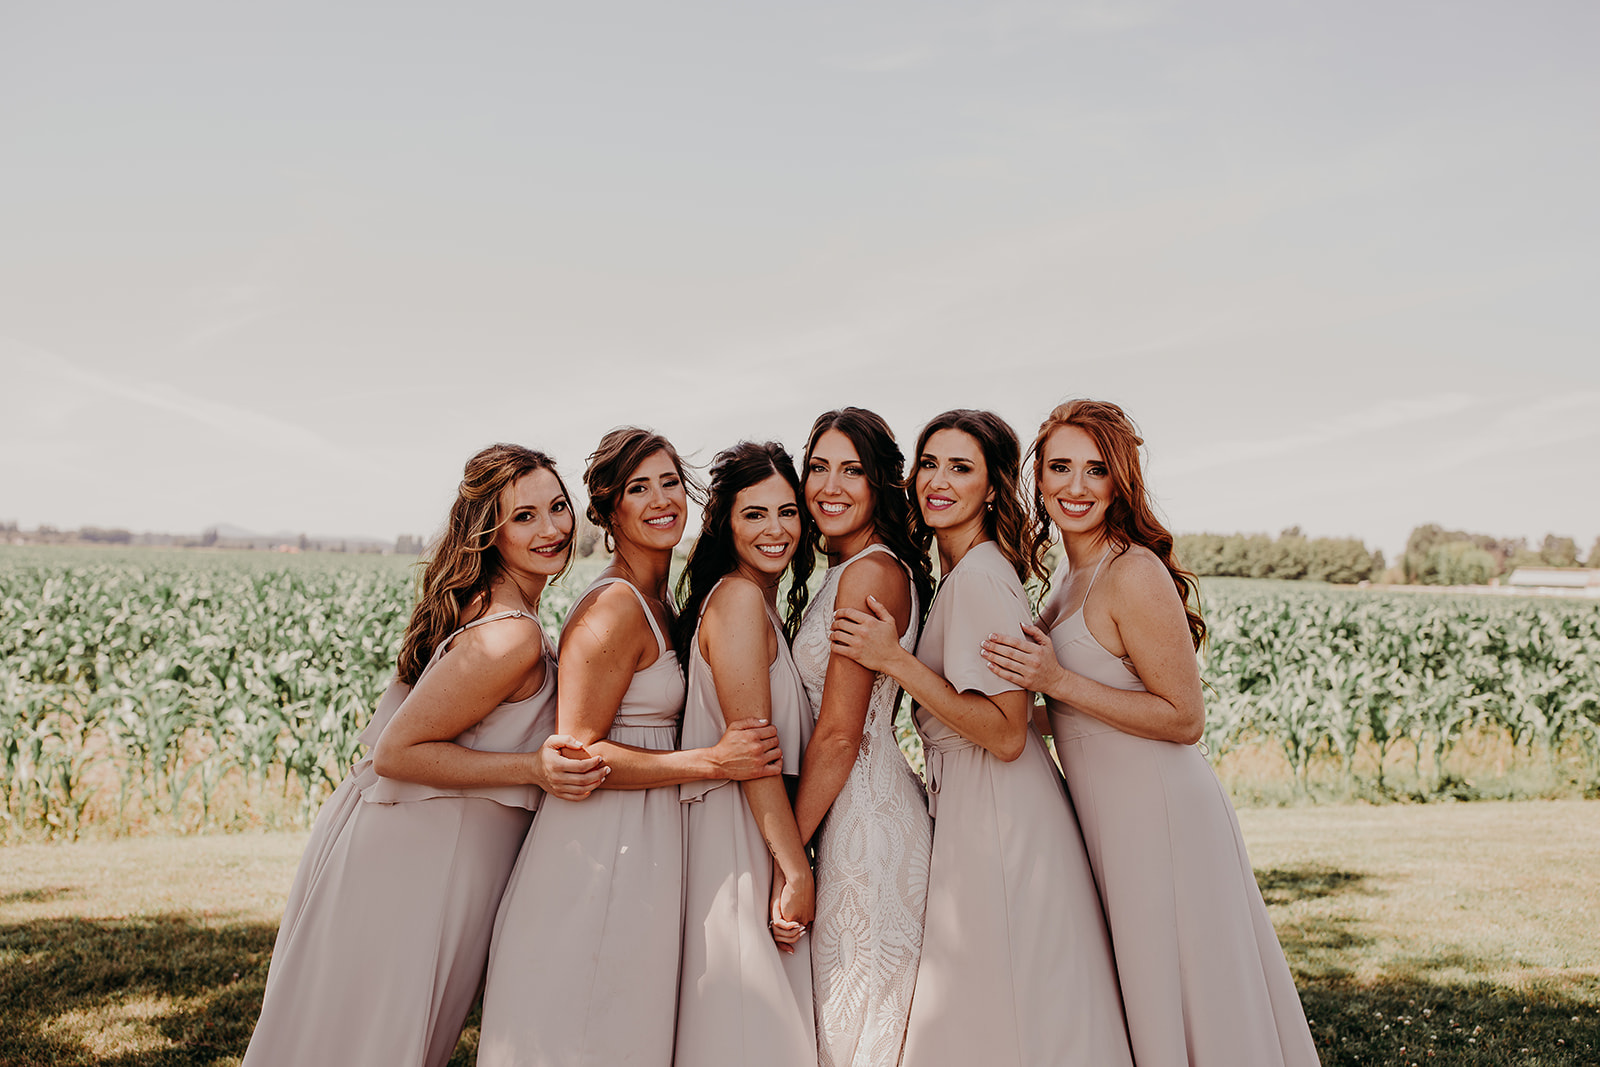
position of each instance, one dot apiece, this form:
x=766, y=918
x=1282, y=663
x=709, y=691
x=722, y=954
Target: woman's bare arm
x=836, y=740
x=998, y=723
x=485, y=667
x=601, y=651
x=740, y=644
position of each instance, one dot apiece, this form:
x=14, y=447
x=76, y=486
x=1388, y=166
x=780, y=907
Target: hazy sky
x=286, y=265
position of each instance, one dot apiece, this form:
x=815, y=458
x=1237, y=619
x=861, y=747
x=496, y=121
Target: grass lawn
x=1438, y=934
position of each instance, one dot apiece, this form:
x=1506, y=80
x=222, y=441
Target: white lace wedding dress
x=872, y=868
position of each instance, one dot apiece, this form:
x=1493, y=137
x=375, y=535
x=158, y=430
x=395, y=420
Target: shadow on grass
x=152, y=991
x=1414, y=1014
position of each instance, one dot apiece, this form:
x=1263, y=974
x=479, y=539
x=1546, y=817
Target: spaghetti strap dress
x=1203, y=977
x=583, y=967
x=1016, y=963
x=740, y=1000
x=872, y=866
x=385, y=934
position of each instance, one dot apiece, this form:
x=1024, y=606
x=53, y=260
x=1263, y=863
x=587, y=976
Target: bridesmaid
x=741, y=1000
x=1203, y=977
x=872, y=850
x=1016, y=964
x=583, y=968
x=422, y=834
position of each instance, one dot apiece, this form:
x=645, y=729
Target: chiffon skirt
x=1016, y=964
x=1204, y=980
x=584, y=964
x=383, y=941
x=741, y=1001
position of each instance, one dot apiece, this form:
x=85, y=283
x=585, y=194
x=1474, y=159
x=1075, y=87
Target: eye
x=960, y=468
x=1098, y=470
x=522, y=516
x=926, y=464
x=670, y=482
x=636, y=487
x=852, y=470
x=1058, y=467
x=815, y=468
x=559, y=506
x=789, y=511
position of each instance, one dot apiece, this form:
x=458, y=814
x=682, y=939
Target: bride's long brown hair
x=1130, y=520
x=463, y=563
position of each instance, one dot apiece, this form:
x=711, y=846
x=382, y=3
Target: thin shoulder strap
x=1095, y=575
x=644, y=605
x=515, y=613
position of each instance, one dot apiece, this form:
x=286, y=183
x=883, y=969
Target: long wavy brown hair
x=1007, y=521
x=1130, y=520
x=884, y=466
x=463, y=563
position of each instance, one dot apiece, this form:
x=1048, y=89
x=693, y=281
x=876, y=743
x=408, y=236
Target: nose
x=830, y=482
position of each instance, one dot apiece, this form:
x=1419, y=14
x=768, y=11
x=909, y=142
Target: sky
x=286, y=266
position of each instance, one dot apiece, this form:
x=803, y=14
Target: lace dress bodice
x=872, y=867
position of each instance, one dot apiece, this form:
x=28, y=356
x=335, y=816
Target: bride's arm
x=836, y=740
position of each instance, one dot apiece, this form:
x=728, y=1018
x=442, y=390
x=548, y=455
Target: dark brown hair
x=463, y=563
x=1130, y=520
x=1007, y=522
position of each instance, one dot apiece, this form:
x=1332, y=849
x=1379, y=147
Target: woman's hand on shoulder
x=869, y=639
x=1028, y=661
x=877, y=575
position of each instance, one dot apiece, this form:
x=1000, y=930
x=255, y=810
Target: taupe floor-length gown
x=872, y=867
x=1016, y=964
x=583, y=968
x=740, y=1000
x=1203, y=977
x=384, y=937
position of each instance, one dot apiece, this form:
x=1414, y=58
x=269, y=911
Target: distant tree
x=1558, y=551
x=100, y=536
x=1593, y=559
x=1456, y=563
x=209, y=537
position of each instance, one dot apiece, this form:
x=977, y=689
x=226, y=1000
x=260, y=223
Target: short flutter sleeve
x=981, y=596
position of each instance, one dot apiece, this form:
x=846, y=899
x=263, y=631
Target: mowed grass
x=1437, y=934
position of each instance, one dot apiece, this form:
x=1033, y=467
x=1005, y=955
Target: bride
x=875, y=836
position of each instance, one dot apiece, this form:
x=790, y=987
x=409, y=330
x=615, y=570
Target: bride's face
x=838, y=492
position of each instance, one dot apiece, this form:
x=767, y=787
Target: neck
x=519, y=591
x=767, y=582
x=646, y=568
x=954, y=544
x=852, y=543
x=1083, y=549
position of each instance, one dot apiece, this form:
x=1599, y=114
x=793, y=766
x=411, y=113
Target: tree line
x=1433, y=556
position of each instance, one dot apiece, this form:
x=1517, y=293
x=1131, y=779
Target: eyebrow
x=953, y=459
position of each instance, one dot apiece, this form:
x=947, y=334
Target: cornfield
x=184, y=691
